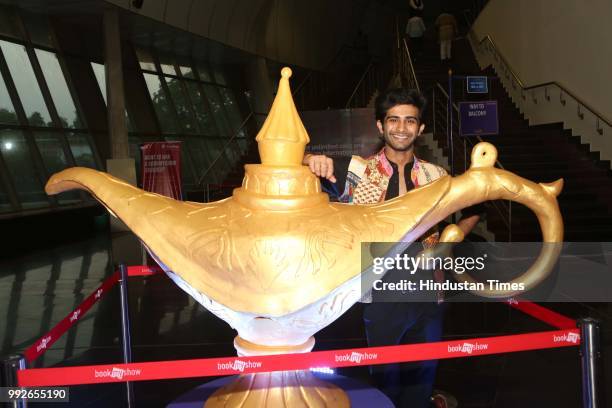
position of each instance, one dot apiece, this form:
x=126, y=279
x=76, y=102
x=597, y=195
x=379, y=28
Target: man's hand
x=320, y=165
x=468, y=223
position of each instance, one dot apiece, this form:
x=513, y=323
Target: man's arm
x=470, y=217
x=320, y=165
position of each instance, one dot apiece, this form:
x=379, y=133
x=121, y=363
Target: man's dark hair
x=399, y=96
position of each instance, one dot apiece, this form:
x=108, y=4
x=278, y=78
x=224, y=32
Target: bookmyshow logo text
x=118, y=373
x=355, y=357
x=468, y=348
x=239, y=365
x=573, y=338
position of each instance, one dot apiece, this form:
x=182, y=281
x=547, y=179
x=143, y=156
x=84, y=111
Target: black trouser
x=386, y=324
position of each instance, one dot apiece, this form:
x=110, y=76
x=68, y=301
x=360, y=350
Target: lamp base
x=279, y=388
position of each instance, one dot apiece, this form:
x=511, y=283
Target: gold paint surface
x=282, y=389
x=270, y=262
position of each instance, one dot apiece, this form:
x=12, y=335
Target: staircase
x=540, y=153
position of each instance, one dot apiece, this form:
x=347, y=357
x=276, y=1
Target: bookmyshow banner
x=161, y=168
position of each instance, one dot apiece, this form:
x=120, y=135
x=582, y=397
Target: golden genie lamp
x=279, y=262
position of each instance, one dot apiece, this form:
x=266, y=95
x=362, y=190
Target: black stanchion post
x=451, y=161
x=125, y=327
x=8, y=377
x=451, y=147
x=590, y=356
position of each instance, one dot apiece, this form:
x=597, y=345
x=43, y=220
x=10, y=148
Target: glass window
x=135, y=141
x=204, y=73
x=7, y=111
x=50, y=148
x=186, y=164
x=186, y=70
x=5, y=203
x=160, y=103
x=53, y=156
x=26, y=84
x=100, y=75
x=183, y=108
x=58, y=87
x=167, y=65
x=38, y=28
x=9, y=23
x=232, y=152
x=219, y=76
x=17, y=157
x=231, y=108
x=203, y=115
x=196, y=148
x=145, y=59
x=243, y=144
x=214, y=100
x=214, y=149
x=80, y=146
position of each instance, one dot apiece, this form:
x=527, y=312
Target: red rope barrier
x=143, y=270
x=543, y=314
x=46, y=341
x=163, y=370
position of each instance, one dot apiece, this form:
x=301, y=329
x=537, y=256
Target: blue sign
x=477, y=84
x=478, y=118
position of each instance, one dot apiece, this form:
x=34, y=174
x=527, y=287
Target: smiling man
x=392, y=172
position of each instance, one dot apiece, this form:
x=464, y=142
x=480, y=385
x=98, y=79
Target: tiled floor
x=39, y=288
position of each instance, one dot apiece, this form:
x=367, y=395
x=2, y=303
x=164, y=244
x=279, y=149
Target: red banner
x=161, y=168
x=163, y=370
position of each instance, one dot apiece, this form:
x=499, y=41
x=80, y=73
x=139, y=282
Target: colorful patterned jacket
x=367, y=181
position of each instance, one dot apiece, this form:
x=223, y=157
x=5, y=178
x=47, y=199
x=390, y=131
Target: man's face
x=400, y=127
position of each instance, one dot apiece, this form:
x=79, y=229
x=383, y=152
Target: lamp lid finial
x=282, y=138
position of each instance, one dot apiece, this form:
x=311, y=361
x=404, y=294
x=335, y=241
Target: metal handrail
x=301, y=85
x=413, y=74
x=363, y=76
x=406, y=53
x=545, y=84
x=236, y=133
